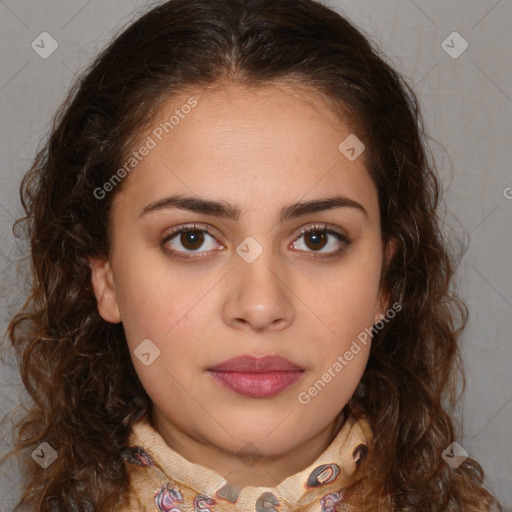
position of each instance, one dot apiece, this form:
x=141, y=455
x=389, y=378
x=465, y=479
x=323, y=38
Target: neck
x=250, y=468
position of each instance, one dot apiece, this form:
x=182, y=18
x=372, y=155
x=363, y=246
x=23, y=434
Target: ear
x=383, y=303
x=104, y=288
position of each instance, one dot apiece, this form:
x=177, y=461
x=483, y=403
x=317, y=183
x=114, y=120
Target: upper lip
x=251, y=364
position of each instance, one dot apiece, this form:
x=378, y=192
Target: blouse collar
x=324, y=479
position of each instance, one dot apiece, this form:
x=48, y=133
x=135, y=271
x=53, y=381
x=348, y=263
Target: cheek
x=150, y=298
x=349, y=298
x=335, y=380
x=144, y=306
x=342, y=352
x=170, y=309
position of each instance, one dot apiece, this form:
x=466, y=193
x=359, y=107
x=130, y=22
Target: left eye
x=317, y=238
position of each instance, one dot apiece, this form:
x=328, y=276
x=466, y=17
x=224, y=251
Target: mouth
x=257, y=385
x=252, y=364
x=256, y=377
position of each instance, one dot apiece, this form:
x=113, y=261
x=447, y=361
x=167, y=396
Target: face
x=245, y=280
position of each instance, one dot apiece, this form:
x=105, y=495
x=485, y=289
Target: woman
x=239, y=377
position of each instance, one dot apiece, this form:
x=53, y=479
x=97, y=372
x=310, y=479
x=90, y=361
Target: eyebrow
x=228, y=211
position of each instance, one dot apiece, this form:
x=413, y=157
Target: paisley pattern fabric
x=161, y=480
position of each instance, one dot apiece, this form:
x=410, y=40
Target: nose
x=259, y=295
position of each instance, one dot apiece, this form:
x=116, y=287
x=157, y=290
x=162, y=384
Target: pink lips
x=256, y=377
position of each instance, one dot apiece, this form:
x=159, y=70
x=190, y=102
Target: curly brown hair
x=76, y=366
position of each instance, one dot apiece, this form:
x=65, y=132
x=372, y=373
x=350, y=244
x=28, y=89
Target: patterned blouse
x=161, y=480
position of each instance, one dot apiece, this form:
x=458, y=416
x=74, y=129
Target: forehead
x=247, y=145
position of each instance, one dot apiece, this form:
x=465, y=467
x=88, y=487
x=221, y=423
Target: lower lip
x=257, y=385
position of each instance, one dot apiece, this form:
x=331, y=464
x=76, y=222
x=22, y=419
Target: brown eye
x=183, y=242
x=317, y=238
x=192, y=240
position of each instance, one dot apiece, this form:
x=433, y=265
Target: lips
x=256, y=377
x=250, y=364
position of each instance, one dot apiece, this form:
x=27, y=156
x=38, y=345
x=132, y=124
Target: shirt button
x=266, y=502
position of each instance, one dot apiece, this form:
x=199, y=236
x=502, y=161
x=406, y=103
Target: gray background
x=467, y=106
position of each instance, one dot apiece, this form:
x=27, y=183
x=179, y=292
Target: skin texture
x=258, y=149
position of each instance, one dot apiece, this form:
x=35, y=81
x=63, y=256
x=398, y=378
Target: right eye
x=187, y=239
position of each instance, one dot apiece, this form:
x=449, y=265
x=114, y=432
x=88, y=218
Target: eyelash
x=199, y=227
